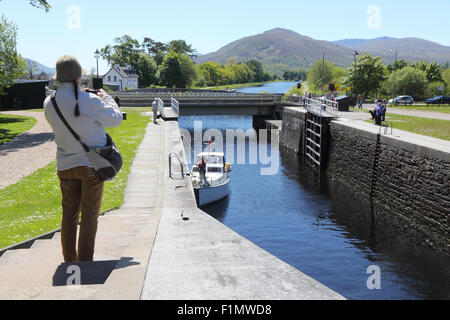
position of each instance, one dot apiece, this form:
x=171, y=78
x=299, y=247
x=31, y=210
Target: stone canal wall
x=404, y=184
x=292, y=135
x=400, y=183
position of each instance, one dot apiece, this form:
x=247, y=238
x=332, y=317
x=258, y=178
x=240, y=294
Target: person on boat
x=202, y=167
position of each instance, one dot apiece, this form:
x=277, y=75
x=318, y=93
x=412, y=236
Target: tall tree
x=146, y=70
x=411, y=81
x=257, y=68
x=125, y=51
x=366, y=77
x=170, y=70
x=321, y=74
x=434, y=73
x=12, y=65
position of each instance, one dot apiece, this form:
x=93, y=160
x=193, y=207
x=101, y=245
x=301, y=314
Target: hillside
x=410, y=49
x=280, y=49
x=42, y=68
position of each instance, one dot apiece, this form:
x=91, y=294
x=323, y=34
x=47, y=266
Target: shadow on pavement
x=88, y=273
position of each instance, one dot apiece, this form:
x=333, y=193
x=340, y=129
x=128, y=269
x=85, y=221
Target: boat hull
x=209, y=195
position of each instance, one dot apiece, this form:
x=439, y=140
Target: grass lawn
x=428, y=127
x=12, y=126
x=32, y=206
x=430, y=108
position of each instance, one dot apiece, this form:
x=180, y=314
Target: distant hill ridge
x=42, y=68
x=285, y=49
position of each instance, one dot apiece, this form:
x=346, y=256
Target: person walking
x=82, y=190
x=155, y=111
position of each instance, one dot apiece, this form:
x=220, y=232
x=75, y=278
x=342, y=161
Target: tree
x=155, y=49
x=446, y=78
x=125, y=51
x=12, y=65
x=399, y=64
x=181, y=47
x=188, y=70
x=321, y=74
x=211, y=71
x=170, y=70
x=146, y=70
x=367, y=76
x=434, y=73
x=411, y=81
x=257, y=68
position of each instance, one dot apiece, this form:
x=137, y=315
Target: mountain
x=41, y=68
x=357, y=43
x=281, y=48
x=409, y=49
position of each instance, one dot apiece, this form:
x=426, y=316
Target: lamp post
x=395, y=73
x=354, y=73
x=323, y=70
x=97, y=55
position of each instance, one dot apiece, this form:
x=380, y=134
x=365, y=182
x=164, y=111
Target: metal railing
x=322, y=107
x=171, y=156
x=175, y=105
x=160, y=106
x=386, y=125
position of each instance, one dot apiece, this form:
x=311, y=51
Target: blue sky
x=209, y=25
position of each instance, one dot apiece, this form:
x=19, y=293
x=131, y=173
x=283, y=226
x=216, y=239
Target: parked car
x=438, y=100
x=402, y=100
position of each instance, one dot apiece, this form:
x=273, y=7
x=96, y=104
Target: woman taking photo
x=82, y=190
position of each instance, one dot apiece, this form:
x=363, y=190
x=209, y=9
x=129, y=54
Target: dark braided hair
x=77, y=109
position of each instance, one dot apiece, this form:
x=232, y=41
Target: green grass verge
x=12, y=126
x=430, y=108
x=32, y=206
x=428, y=127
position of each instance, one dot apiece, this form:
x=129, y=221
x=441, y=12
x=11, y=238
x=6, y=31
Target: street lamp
x=323, y=70
x=395, y=72
x=97, y=55
x=354, y=73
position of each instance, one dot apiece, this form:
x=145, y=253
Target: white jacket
x=95, y=115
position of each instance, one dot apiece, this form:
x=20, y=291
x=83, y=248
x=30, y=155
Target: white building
x=119, y=78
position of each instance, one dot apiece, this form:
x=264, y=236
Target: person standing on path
x=82, y=190
x=155, y=111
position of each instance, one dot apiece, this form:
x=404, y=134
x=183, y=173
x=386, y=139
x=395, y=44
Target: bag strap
x=75, y=135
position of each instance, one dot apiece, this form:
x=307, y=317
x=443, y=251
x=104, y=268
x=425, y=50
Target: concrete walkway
x=146, y=250
x=27, y=152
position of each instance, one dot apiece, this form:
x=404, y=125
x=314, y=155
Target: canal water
x=293, y=215
x=273, y=87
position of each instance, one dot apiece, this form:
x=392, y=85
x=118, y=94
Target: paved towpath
x=27, y=152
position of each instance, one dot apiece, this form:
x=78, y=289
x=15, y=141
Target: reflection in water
x=295, y=216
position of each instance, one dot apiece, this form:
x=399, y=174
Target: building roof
x=30, y=81
x=125, y=72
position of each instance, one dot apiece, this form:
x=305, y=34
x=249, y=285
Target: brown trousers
x=82, y=191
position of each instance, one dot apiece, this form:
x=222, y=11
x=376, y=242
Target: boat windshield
x=215, y=169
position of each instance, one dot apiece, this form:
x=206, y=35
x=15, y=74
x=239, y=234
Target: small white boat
x=210, y=180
